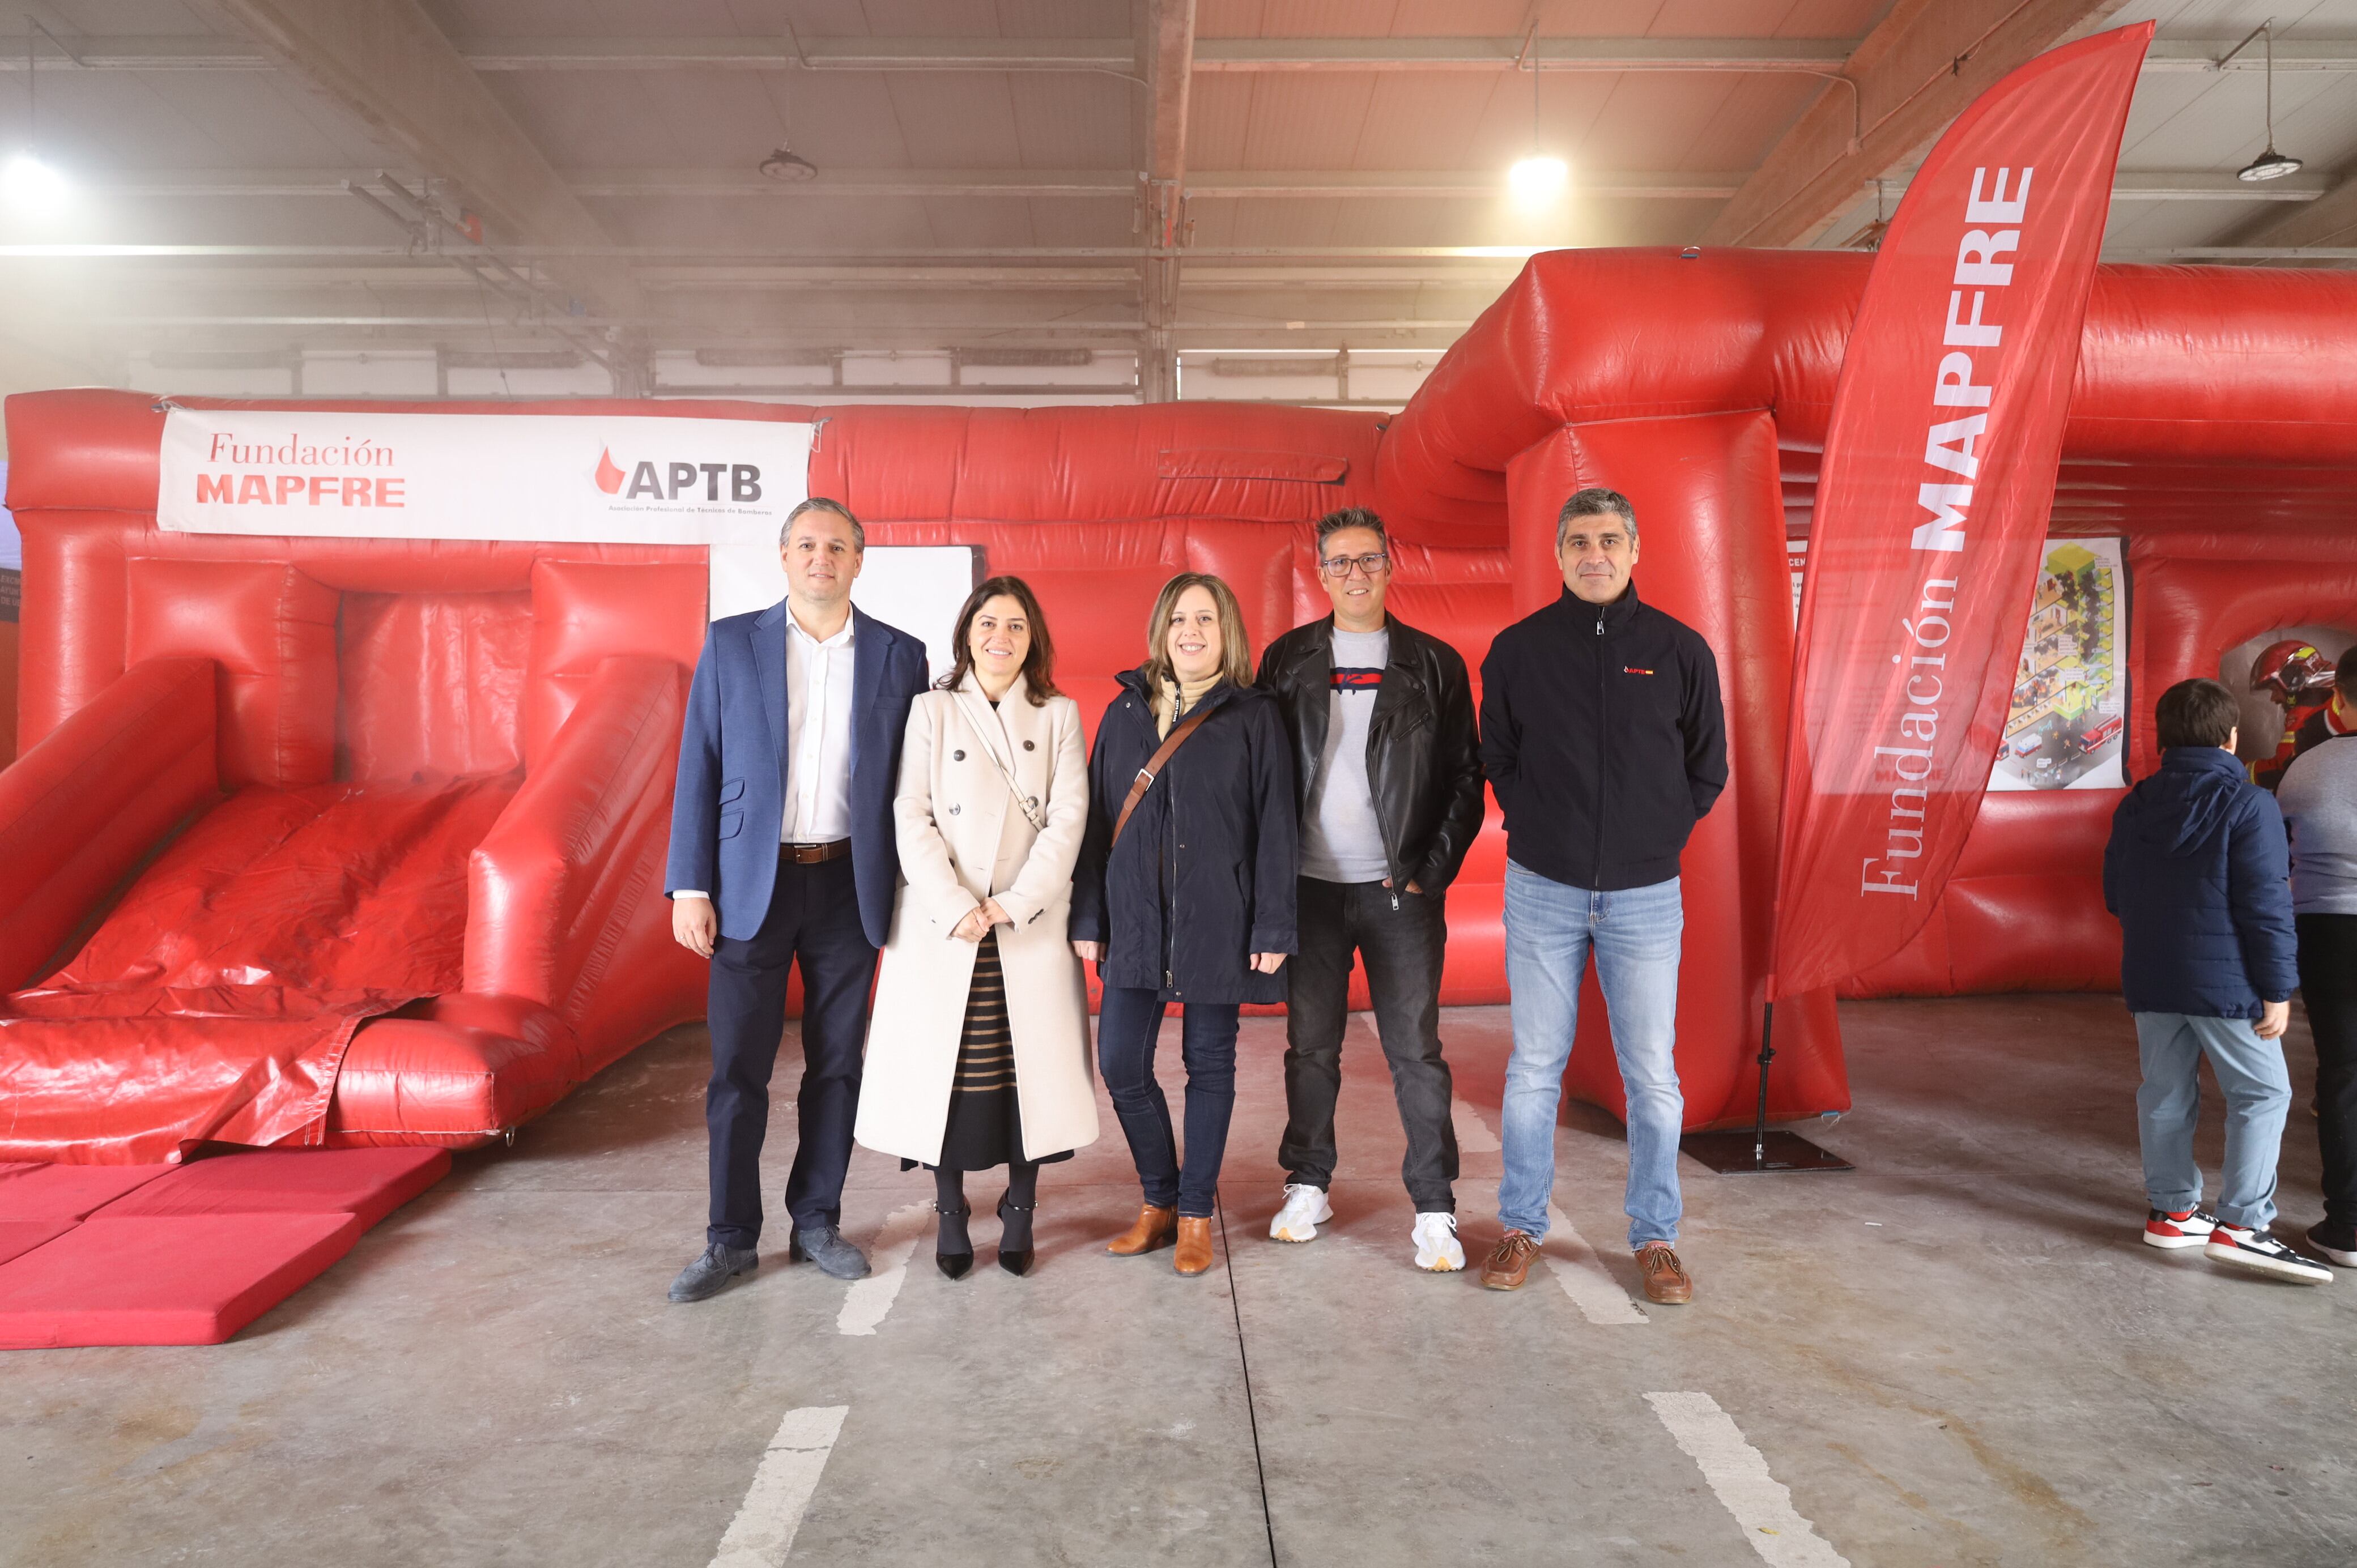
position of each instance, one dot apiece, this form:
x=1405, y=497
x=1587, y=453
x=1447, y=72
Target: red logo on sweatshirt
x=1632, y=670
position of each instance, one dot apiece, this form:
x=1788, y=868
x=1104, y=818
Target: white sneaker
x=2262, y=1253
x=1304, y=1209
x=1436, y=1249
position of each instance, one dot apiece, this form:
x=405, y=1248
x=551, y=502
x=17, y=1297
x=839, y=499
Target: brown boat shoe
x=1509, y=1262
x=1667, y=1283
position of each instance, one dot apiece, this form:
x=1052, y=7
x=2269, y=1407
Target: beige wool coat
x=962, y=837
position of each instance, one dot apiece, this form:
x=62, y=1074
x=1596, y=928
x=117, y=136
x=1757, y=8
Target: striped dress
x=986, y=1121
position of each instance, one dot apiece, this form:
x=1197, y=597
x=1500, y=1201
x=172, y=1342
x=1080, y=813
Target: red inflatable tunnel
x=2213, y=424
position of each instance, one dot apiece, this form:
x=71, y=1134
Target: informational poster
x=2066, y=727
x=588, y=478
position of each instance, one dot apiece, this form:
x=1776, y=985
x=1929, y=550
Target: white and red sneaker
x=2185, y=1228
x=2262, y=1253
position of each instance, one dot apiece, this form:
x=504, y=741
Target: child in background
x=2196, y=870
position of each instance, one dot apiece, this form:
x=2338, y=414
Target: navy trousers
x=1128, y=1021
x=813, y=918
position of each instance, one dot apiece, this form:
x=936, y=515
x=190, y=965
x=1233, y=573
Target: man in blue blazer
x=783, y=849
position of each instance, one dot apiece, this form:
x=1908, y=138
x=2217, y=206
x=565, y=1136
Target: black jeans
x=2328, y=983
x=814, y=916
x=1401, y=949
x=1128, y=1021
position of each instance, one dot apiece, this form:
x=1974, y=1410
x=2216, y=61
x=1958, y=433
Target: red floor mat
x=369, y=1183
x=21, y=1236
x=191, y=1279
x=69, y=1192
x=185, y=1254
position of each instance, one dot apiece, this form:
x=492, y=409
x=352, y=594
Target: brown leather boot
x=1194, y=1253
x=1155, y=1228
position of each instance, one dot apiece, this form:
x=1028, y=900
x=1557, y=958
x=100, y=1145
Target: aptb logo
x=677, y=481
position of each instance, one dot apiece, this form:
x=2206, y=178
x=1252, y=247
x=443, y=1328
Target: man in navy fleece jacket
x=2197, y=871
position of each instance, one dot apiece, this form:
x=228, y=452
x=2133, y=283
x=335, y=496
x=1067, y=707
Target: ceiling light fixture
x=1538, y=179
x=785, y=163
x=2271, y=164
x=788, y=164
x=32, y=185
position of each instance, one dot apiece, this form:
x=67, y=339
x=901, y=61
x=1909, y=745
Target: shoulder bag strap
x=1154, y=765
x=1037, y=816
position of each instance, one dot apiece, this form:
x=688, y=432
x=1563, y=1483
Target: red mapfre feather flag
x=1933, y=501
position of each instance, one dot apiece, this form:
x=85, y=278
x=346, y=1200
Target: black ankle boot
x=953, y=1229
x=1015, y=1221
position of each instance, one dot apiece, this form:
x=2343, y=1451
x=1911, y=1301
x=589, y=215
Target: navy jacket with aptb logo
x=1603, y=737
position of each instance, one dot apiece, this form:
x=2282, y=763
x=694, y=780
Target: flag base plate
x=1731, y=1153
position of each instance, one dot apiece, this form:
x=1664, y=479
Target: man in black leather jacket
x=1388, y=774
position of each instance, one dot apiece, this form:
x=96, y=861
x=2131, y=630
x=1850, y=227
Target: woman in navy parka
x=1194, y=904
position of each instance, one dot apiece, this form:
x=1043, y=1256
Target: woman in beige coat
x=978, y=1053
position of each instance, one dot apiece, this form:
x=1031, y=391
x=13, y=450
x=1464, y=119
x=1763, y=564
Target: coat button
x=957, y=756
x=1029, y=746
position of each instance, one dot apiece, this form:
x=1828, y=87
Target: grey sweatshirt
x=2319, y=796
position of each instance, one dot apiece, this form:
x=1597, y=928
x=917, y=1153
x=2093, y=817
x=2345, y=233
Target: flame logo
x=609, y=477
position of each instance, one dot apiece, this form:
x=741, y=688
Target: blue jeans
x=2250, y=1072
x=1635, y=932
x=1128, y=1021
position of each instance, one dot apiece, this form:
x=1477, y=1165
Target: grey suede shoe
x=710, y=1274
x=824, y=1245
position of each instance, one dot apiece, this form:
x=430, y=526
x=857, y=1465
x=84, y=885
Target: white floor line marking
x=867, y=1302
x=762, y=1533
x=1583, y=1275
x=1738, y=1474
x=1473, y=1134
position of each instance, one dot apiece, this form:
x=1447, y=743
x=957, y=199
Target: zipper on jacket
x=1382, y=828
x=1596, y=865
x=1170, y=816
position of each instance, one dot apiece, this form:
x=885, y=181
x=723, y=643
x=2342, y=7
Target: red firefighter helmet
x=2293, y=669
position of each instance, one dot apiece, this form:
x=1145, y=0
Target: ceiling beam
x=771, y=53
x=2331, y=220
x=1202, y=185
x=278, y=284
x=670, y=52
x=1503, y=53
x=473, y=320
x=385, y=63
x=1169, y=49
x=1914, y=74
x=44, y=250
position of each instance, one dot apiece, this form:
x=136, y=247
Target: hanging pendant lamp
x=2271, y=164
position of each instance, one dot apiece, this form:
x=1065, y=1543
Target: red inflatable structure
x=358, y=841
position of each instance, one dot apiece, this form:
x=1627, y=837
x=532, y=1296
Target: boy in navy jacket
x=2197, y=871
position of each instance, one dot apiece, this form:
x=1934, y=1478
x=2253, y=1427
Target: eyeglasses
x=1339, y=565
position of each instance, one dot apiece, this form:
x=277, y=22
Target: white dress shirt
x=818, y=735
x=818, y=739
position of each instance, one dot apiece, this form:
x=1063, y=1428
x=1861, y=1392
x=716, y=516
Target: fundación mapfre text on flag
x=1931, y=504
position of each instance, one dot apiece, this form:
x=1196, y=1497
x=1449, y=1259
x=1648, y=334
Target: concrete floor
x=1959, y=1354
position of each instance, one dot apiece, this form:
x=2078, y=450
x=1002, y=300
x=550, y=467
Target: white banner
x=2067, y=726
x=588, y=479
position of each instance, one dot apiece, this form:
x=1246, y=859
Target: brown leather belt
x=814, y=853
